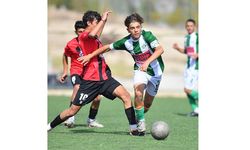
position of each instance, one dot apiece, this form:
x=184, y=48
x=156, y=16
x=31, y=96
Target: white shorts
x=152, y=83
x=191, y=79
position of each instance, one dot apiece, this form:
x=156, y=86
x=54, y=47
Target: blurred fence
x=53, y=82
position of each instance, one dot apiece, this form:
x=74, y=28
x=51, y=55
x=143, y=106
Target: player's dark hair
x=90, y=16
x=133, y=17
x=78, y=25
x=191, y=20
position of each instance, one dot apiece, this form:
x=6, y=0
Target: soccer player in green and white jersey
x=191, y=70
x=148, y=68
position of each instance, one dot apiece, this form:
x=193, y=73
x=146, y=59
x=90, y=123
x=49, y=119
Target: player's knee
x=126, y=97
x=97, y=99
x=138, y=95
x=95, y=104
x=187, y=91
x=76, y=87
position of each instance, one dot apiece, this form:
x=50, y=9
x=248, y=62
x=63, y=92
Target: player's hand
x=84, y=59
x=176, y=46
x=194, y=55
x=144, y=67
x=63, y=77
x=105, y=15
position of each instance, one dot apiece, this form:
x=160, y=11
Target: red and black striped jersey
x=73, y=51
x=96, y=69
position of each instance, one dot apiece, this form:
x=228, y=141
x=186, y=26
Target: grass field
x=183, y=130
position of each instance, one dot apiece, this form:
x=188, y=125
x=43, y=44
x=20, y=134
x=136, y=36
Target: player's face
x=190, y=27
x=92, y=24
x=135, y=30
x=79, y=31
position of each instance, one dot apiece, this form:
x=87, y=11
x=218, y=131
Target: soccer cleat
x=193, y=114
x=70, y=122
x=94, y=124
x=141, y=125
x=49, y=128
x=136, y=133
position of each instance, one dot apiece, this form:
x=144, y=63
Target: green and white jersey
x=191, y=43
x=141, y=50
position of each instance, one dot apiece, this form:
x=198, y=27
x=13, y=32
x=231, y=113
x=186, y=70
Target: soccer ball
x=159, y=130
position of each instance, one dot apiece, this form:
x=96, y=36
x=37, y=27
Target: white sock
x=133, y=127
x=91, y=120
x=196, y=110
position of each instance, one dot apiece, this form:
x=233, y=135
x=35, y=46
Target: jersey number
x=83, y=96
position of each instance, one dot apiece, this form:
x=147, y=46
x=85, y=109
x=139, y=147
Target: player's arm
x=85, y=59
x=99, y=27
x=65, y=69
x=178, y=48
x=158, y=51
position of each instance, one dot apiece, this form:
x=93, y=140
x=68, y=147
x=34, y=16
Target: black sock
x=130, y=113
x=92, y=113
x=56, y=121
x=70, y=103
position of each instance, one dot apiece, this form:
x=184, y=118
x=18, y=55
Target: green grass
x=183, y=130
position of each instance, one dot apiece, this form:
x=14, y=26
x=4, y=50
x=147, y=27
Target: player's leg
x=123, y=94
x=192, y=102
x=190, y=88
x=139, y=106
x=148, y=100
x=139, y=103
x=91, y=121
x=112, y=89
x=86, y=93
x=63, y=116
x=76, y=81
x=140, y=82
x=152, y=89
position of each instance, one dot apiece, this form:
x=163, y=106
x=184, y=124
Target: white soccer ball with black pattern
x=160, y=130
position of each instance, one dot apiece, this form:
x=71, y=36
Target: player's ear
x=128, y=30
x=89, y=23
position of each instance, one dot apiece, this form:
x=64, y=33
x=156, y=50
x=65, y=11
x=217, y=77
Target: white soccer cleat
x=141, y=125
x=70, y=122
x=49, y=127
x=92, y=123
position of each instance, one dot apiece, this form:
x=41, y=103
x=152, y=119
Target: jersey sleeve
x=118, y=45
x=150, y=39
x=67, y=50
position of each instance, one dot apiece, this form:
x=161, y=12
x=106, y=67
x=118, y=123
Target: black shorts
x=75, y=79
x=89, y=90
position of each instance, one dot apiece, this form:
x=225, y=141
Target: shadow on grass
x=182, y=114
x=92, y=130
x=187, y=115
x=81, y=125
x=87, y=130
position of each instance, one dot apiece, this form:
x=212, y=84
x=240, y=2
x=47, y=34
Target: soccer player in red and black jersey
x=96, y=75
x=74, y=51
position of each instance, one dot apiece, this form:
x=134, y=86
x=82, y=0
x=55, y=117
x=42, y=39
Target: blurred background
x=165, y=18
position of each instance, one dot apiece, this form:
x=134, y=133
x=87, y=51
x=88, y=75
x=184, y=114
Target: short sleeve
x=67, y=51
x=119, y=45
x=150, y=39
